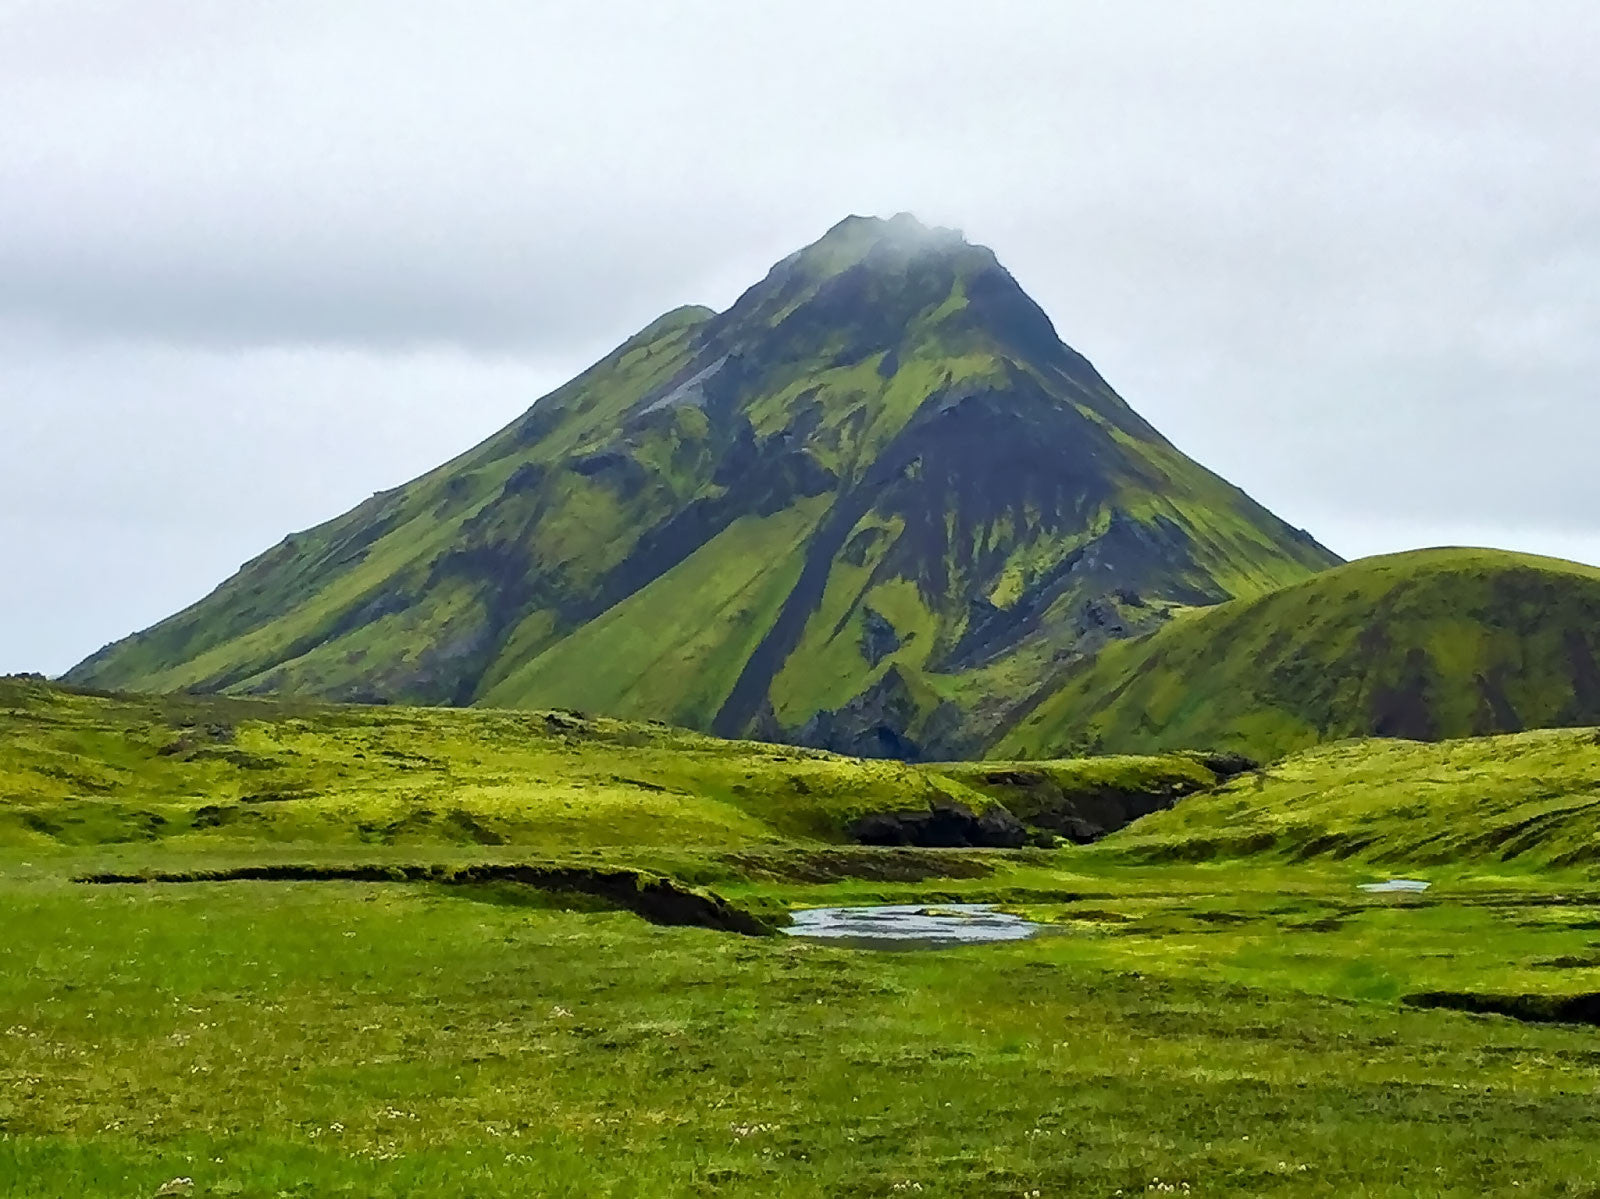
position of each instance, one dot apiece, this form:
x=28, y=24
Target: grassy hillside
x=201, y=775
x=203, y=772
x=865, y=508
x=1425, y=645
x=1529, y=800
x=85, y=769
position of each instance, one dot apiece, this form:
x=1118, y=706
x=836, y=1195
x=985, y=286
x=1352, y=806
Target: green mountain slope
x=869, y=507
x=1425, y=645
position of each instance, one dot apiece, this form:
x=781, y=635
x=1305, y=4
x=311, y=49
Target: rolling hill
x=1527, y=798
x=1426, y=645
x=210, y=782
x=869, y=507
x=220, y=774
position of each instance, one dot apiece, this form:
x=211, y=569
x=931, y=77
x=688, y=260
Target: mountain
x=1425, y=645
x=871, y=507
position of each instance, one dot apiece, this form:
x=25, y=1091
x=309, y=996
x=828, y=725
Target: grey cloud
x=135, y=478
x=1345, y=254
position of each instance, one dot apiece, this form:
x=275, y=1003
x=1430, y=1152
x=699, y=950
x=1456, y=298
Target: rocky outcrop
x=878, y=636
x=1088, y=816
x=1084, y=807
x=943, y=824
x=875, y=724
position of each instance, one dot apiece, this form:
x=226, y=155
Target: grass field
x=1200, y=1015
x=1185, y=1027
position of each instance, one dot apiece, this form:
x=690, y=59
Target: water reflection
x=1396, y=884
x=911, y=925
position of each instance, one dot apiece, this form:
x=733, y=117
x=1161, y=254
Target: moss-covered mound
x=1424, y=645
x=210, y=771
x=1527, y=799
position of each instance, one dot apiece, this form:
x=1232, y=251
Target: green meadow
x=1200, y=1013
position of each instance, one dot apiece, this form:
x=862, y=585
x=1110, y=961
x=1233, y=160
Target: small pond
x=910, y=925
x=1396, y=884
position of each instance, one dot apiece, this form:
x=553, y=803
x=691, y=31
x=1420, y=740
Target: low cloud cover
x=260, y=260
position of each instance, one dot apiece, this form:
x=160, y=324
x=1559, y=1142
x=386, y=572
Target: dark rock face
x=1405, y=708
x=1108, y=611
x=1585, y=674
x=1225, y=763
x=945, y=824
x=873, y=725
x=1086, y=814
x=878, y=637
x=878, y=724
x=1088, y=818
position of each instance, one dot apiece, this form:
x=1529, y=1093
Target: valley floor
x=1237, y=1029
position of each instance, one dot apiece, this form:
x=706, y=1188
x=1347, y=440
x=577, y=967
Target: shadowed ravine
x=657, y=899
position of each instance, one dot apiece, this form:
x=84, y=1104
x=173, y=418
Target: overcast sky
x=259, y=259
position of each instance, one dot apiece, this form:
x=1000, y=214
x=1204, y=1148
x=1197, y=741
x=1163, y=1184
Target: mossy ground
x=1233, y=1026
x=270, y=1039
x=210, y=772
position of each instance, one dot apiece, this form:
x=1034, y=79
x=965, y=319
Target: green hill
x=868, y=507
x=210, y=772
x=1425, y=645
x=1532, y=799
x=88, y=769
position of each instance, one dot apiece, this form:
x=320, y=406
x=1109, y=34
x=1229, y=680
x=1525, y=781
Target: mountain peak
x=858, y=238
x=868, y=278
x=902, y=226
